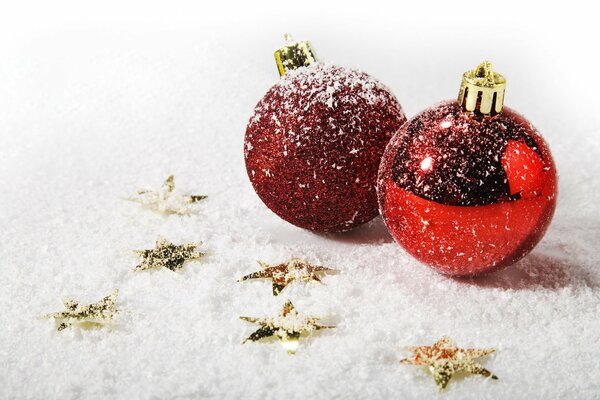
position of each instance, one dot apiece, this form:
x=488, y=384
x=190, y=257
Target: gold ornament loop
x=482, y=89
x=294, y=54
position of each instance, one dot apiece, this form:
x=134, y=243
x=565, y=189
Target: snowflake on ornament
x=314, y=141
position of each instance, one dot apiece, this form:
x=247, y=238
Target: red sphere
x=314, y=144
x=467, y=193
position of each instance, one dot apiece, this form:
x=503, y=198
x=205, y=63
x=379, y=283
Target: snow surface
x=87, y=119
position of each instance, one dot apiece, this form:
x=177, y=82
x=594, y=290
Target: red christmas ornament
x=468, y=187
x=315, y=141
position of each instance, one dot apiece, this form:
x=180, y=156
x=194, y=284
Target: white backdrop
x=97, y=101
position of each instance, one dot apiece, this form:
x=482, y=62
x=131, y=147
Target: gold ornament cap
x=482, y=89
x=294, y=54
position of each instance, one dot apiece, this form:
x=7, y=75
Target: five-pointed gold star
x=166, y=200
x=288, y=326
x=86, y=316
x=284, y=273
x=167, y=255
x=444, y=359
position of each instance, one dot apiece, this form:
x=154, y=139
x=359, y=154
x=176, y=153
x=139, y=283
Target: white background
x=100, y=99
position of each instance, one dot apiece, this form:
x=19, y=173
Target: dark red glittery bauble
x=467, y=193
x=314, y=144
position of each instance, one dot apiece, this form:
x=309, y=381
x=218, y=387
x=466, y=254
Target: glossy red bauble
x=314, y=144
x=467, y=193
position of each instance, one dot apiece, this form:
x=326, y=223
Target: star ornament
x=166, y=200
x=444, y=360
x=288, y=327
x=86, y=316
x=284, y=273
x=167, y=255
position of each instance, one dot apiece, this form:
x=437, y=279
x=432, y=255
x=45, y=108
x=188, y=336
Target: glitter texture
x=283, y=274
x=314, y=143
x=288, y=326
x=444, y=360
x=86, y=316
x=168, y=255
x=467, y=193
x=166, y=200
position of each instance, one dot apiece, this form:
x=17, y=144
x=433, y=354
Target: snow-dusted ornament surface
x=167, y=200
x=314, y=142
x=444, y=359
x=86, y=316
x=282, y=274
x=468, y=186
x=288, y=327
x=168, y=255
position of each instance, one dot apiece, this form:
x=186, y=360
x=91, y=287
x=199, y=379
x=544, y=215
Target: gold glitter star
x=167, y=255
x=288, y=326
x=166, y=200
x=444, y=359
x=283, y=274
x=87, y=316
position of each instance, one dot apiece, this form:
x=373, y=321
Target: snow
x=89, y=119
